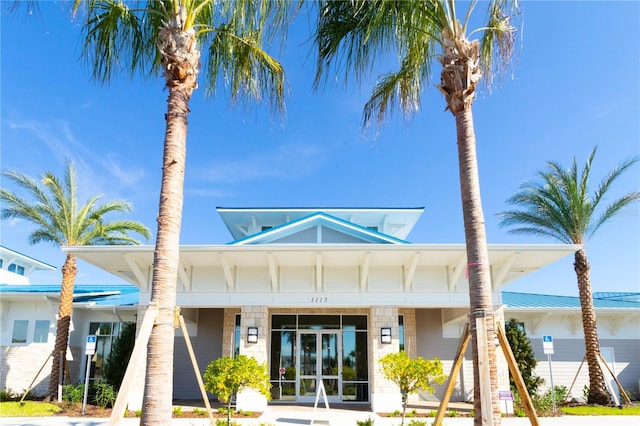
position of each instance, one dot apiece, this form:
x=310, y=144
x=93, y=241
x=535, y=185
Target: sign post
x=547, y=345
x=506, y=396
x=89, y=350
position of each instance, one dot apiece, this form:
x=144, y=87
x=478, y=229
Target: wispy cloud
x=289, y=162
x=97, y=171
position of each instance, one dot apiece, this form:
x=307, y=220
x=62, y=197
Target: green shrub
x=73, y=394
x=417, y=423
x=199, y=411
x=115, y=365
x=525, y=356
x=227, y=376
x=7, y=395
x=368, y=422
x=177, y=411
x=105, y=394
x=412, y=375
x=543, y=404
x=222, y=422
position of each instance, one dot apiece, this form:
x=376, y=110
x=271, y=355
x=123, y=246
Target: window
x=20, y=328
x=106, y=333
x=41, y=332
x=17, y=269
x=401, y=331
x=236, y=337
x=1, y=262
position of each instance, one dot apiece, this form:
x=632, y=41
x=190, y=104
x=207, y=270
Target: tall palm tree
x=170, y=37
x=561, y=206
x=53, y=207
x=355, y=33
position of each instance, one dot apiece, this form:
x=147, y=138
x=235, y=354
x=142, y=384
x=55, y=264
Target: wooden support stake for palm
x=622, y=391
x=455, y=369
x=513, y=368
x=192, y=355
x=517, y=376
x=139, y=351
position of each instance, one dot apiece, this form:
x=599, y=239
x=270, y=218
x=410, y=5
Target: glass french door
x=319, y=360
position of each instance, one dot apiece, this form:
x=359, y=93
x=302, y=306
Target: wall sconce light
x=385, y=335
x=252, y=334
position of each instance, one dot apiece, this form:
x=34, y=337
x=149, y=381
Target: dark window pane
x=41, y=332
x=280, y=322
x=20, y=328
x=318, y=322
x=357, y=322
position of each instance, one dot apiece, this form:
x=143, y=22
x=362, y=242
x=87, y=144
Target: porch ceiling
x=508, y=262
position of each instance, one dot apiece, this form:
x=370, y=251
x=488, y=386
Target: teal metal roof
x=98, y=295
x=528, y=300
x=319, y=219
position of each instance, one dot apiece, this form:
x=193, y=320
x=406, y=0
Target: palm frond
x=114, y=38
x=59, y=218
x=560, y=206
x=498, y=40
x=248, y=70
x=403, y=88
x=237, y=37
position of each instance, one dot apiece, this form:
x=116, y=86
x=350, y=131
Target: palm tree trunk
x=158, y=391
x=181, y=62
x=69, y=270
x=598, y=393
x=481, y=306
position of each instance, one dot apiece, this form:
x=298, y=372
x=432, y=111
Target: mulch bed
x=75, y=410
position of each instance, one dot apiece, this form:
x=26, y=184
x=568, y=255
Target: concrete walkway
x=295, y=415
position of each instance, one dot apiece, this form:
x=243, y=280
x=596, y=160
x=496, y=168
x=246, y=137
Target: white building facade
x=320, y=296
x=310, y=292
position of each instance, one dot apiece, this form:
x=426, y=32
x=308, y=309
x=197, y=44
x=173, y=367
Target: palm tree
x=355, y=33
x=169, y=37
x=62, y=221
x=561, y=207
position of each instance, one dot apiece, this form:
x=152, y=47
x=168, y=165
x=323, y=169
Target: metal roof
x=35, y=263
x=394, y=221
x=536, y=301
x=98, y=295
x=354, y=230
x=128, y=295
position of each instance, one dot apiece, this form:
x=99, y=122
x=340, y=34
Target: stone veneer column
x=254, y=316
x=228, y=330
x=385, y=395
x=410, y=340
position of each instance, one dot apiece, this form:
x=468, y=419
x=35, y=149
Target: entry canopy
x=508, y=262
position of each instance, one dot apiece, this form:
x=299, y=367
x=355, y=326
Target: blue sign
x=547, y=339
x=91, y=338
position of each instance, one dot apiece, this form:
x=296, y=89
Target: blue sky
x=575, y=85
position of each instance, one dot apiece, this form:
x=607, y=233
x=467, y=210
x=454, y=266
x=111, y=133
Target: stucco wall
x=432, y=344
x=19, y=363
x=568, y=355
x=207, y=346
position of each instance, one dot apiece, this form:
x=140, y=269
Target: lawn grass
x=595, y=410
x=29, y=409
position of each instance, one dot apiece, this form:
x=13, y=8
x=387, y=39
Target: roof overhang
x=508, y=262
